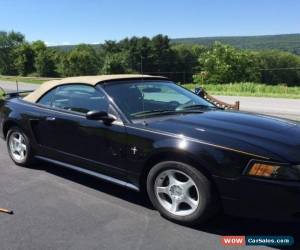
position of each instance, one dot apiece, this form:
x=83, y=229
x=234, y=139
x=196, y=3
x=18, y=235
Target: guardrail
x=201, y=92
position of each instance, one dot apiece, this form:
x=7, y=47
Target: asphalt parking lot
x=56, y=208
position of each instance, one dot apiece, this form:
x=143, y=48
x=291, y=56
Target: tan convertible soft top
x=91, y=80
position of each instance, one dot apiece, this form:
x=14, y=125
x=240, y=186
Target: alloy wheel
x=177, y=192
x=17, y=146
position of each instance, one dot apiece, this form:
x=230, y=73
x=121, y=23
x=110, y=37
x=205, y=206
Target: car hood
x=239, y=130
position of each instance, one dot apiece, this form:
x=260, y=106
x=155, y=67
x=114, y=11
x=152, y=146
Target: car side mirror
x=100, y=116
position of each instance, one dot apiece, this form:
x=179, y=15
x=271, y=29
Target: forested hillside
x=217, y=63
x=289, y=42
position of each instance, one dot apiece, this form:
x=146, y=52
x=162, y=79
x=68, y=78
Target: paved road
x=11, y=86
x=56, y=208
x=286, y=108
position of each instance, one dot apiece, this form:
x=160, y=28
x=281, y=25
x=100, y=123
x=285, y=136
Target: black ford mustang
x=147, y=133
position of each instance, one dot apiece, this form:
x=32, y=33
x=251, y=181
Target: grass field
x=250, y=89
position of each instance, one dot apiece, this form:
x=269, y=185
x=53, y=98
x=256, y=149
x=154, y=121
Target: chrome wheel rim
x=176, y=192
x=17, y=146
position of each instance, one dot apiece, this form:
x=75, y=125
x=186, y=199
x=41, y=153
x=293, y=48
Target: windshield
x=140, y=98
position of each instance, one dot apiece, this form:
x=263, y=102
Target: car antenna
x=17, y=84
x=141, y=69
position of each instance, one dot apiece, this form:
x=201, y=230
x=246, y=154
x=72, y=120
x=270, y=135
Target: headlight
x=274, y=171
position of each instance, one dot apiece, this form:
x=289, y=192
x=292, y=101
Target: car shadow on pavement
x=220, y=225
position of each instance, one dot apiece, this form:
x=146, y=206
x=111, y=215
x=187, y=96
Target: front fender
x=216, y=161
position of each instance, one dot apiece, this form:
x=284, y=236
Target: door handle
x=50, y=119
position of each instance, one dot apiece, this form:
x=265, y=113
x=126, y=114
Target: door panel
x=44, y=131
x=88, y=140
x=67, y=134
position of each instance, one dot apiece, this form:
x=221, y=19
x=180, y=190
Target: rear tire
x=181, y=193
x=19, y=148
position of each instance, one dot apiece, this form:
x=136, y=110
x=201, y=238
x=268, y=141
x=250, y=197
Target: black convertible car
x=147, y=133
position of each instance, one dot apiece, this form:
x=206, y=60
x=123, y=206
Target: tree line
x=218, y=63
x=284, y=42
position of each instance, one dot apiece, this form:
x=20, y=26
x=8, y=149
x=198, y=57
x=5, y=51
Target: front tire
x=19, y=149
x=181, y=193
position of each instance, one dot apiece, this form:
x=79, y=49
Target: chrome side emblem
x=134, y=150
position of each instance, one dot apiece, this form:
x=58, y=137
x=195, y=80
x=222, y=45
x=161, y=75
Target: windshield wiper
x=152, y=112
x=162, y=112
x=197, y=106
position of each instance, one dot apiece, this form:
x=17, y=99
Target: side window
x=47, y=98
x=77, y=97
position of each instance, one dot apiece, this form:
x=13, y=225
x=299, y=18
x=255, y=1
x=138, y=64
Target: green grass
x=1, y=94
x=250, y=89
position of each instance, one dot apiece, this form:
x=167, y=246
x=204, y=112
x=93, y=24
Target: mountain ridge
x=284, y=42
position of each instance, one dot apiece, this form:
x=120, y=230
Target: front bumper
x=260, y=198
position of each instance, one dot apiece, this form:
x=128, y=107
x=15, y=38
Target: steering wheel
x=174, y=104
x=180, y=107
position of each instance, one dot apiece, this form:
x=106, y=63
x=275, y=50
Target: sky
x=94, y=21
